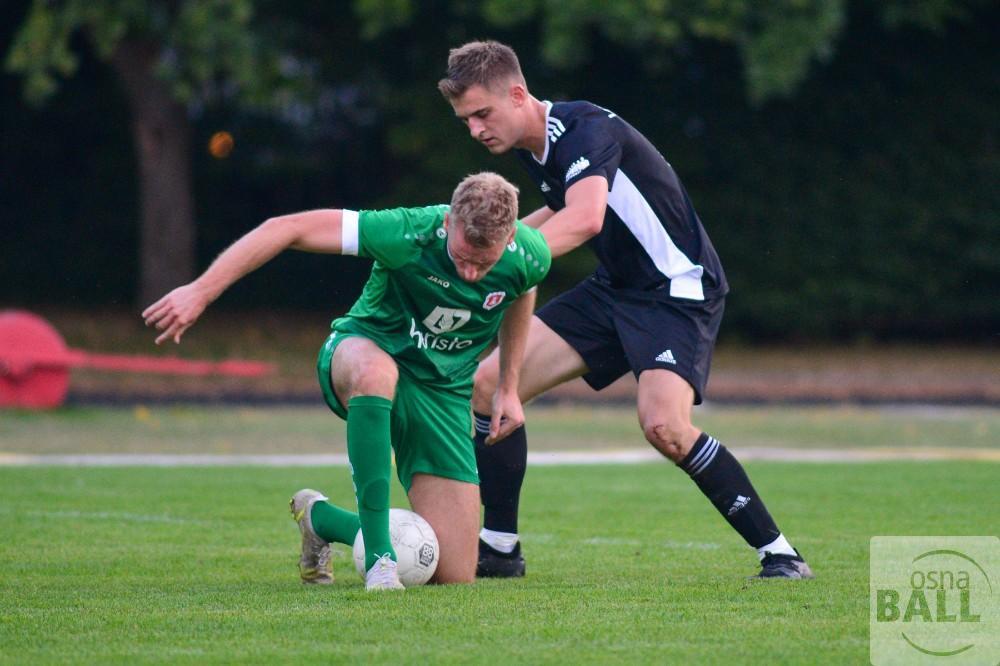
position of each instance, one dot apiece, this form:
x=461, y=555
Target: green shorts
x=431, y=428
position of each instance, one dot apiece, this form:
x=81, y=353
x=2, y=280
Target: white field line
x=543, y=458
x=119, y=516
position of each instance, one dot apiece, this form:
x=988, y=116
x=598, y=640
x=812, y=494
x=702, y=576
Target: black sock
x=721, y=477
x=501, y=473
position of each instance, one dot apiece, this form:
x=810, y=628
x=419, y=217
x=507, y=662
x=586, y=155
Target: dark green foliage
x=873, y=194
x=858, y=202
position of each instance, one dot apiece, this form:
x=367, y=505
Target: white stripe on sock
x=482, y=425
x=701, y=454
x=713, y=448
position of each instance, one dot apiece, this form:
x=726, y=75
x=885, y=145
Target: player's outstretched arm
x=539, y=217
x=508, y=413
x=581, y=219
x=311, y=231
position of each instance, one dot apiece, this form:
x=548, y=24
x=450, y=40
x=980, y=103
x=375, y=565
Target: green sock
x=369, y=450
x=333, y=524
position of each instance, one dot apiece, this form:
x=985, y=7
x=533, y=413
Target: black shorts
x=617, y=330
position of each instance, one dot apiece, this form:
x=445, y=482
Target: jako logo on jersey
x=436, y=280
x=577, y=167
x=545, y=187
x=493, y=299
x=446, y=320
x=439, y=343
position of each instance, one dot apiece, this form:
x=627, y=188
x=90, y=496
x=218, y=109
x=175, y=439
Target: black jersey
x=652, y=237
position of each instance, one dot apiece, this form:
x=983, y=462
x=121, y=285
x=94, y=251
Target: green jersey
x=417, y=308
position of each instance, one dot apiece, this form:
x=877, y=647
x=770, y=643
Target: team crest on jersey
x=445, y=320
x=493, y=299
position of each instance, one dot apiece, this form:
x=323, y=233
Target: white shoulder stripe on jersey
x=554, y=128
x=633, y=209
x=349, y=232
x=545, y=153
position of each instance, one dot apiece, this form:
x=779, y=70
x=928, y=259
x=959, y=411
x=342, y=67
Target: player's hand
x=508, y=416
x=176, y=312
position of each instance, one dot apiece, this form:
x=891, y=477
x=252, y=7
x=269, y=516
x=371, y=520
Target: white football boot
x=314, y=562
x=383, y=575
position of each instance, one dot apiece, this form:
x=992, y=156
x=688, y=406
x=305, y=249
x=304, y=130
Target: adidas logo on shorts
x=667, y=357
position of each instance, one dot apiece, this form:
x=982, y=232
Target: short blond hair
x=485, y=206
x=488, y=64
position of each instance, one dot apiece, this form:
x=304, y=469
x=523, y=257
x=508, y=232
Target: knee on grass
x=458, y=560
x=464, y=576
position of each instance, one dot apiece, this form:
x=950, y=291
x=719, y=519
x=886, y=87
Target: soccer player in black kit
x=653, y=306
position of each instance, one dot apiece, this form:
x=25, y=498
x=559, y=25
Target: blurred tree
x=851, y=170
x=777, y=39
x=763, y=105
x=172, y=58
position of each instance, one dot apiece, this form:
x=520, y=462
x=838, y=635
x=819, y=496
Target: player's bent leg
x=452, y=509
x=549, y=361
x=364, y=379
x=665, y=400
x=360, y=367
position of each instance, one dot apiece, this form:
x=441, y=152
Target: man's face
x=493, y=118
x=471, y=262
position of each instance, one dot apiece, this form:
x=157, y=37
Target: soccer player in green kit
x=447, y=281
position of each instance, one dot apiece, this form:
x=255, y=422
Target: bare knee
x=452, y=509
x=485, y=385
x=453, y=575
x=377, y=378
x=359, y=367
x=671, y=437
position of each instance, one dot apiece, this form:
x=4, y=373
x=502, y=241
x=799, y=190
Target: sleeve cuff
x=349, y=232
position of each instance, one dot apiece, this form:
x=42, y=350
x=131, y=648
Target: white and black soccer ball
x=416, y=546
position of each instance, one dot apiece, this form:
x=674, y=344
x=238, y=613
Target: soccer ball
x=415, y=544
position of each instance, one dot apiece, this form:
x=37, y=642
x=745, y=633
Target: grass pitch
x=188, y=429
x=626, y=563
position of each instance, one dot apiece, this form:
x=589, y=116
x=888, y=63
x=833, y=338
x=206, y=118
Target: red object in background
x=28, y=376
x=35, y=363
